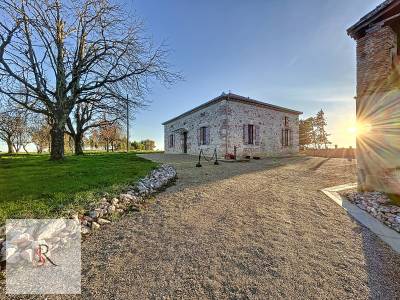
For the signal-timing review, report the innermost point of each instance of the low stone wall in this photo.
(104, 211)
(331, 153)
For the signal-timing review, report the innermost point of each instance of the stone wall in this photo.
(226, 119)
(331, 153)
(270, 122)
(378, 102)
(376, 52)
(213, 116)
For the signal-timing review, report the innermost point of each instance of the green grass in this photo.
(32, 186)
(394, 199)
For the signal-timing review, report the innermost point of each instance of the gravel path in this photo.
(254, 230)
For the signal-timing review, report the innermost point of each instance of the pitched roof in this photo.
(373, 16)
(237, 98)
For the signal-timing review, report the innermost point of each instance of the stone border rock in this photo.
(378, 205)
(388, 235)
(103, 212)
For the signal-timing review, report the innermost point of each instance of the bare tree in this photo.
(13, 128)
(67, 53)
(82, 115)
(40, 135)
(110, 134)
(94, 139)
(22, 136)
(87, 116)
(7, 126)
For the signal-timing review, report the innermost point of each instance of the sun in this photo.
(359, 129)
(352, 130)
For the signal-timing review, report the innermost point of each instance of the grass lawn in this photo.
(32, 186)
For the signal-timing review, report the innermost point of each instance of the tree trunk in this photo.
(24, 146)
(16, 148)
(10, 147)
(78, 142)
(57, 141)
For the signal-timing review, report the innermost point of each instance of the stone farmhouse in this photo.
(231, 121)
(378, 98)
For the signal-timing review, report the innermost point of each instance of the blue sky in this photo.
(289, 53)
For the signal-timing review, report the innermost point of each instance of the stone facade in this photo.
(229, 119)
(376, 52)
(378, 97)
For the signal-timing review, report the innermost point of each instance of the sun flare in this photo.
(352, 130)
(359, 128)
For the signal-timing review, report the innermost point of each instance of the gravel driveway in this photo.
(254, 230)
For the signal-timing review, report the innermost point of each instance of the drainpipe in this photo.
(227, 126)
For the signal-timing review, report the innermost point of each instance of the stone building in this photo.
(378, 99)
(254, 127)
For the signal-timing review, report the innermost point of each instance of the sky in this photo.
(290, 53)
(295, 54)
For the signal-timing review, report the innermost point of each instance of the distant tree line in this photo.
(312, 132)
(18, 129)
(147, 145)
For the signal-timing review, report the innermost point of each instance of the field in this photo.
(32, 186)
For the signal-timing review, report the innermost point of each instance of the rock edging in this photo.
(378, 205)
(102, 213)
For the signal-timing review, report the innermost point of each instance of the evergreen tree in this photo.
(320, 129)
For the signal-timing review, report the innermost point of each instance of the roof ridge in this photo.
(353, 29)
(231, 96)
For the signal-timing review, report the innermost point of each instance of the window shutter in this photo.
(207, 135)
(283, 137)
(257, 137)
(245, 134)
(198, 136)
(286, 122)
